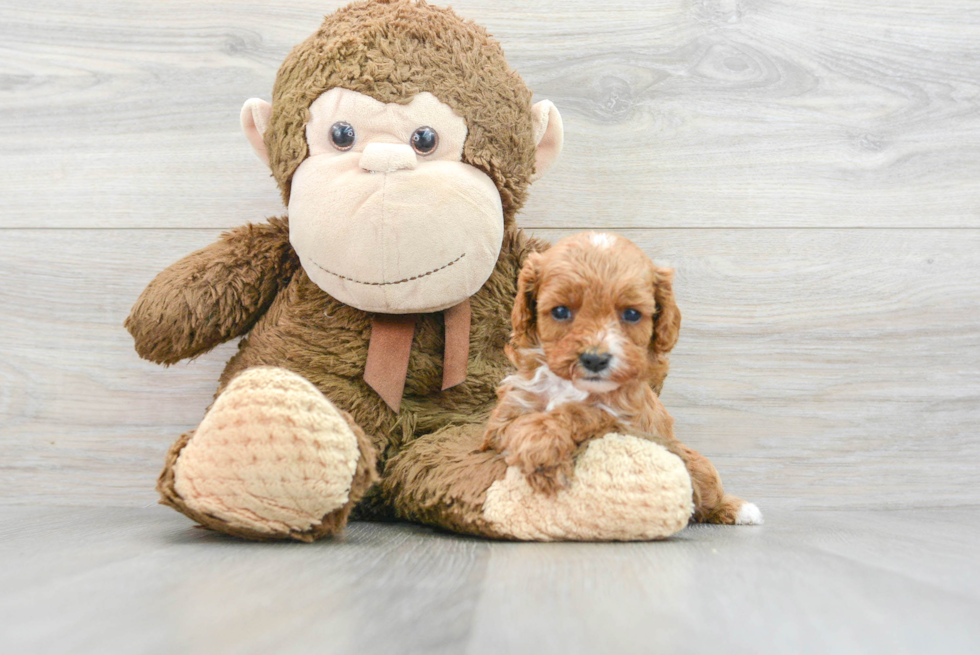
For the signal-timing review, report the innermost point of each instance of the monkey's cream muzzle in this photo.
(382, 228)
(405, 241)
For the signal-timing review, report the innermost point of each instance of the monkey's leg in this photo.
(623, 488)
(272, 459)
(712, 504)
(442, 479)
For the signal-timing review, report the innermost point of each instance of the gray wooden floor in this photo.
(141, 580)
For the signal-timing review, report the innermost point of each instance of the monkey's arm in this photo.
(212, 295)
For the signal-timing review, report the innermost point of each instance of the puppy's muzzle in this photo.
(595, 362)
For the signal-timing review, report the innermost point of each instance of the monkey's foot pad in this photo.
(272, 456)
(625, 489)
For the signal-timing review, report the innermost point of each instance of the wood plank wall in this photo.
(812, 170)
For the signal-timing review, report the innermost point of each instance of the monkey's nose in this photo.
(388, 157)
(594, 362)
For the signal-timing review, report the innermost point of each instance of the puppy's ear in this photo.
(667, 320)
(524, 317)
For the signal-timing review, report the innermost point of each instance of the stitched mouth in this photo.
(387, 284)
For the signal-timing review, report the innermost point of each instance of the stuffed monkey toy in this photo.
(373, 318)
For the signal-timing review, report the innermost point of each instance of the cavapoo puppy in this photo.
(593, 322)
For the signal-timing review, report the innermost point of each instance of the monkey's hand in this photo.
(212, 295)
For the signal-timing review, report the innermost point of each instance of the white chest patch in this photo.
(551, 389)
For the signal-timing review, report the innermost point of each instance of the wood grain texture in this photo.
(679, 113)
(145, 581)
(772, 590)
(98, 580)
(816, 368)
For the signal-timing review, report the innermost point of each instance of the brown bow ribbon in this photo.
(391, 344)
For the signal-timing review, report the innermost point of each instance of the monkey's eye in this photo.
(342, 135)
(424, 140)
(561, 313)
(632, 315)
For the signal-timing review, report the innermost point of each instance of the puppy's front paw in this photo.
(545, 460)
(550, 480)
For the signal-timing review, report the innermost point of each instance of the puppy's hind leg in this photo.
(711, 503)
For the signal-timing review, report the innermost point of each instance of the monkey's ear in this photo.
(255, 118)
(524, 317)
(548, 136)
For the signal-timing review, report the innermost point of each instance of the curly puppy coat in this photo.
(593, 322)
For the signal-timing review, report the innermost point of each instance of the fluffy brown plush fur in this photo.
(250, 283)
(191, 307)
(443, 480)
(392, 50)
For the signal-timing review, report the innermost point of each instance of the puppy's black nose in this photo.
(594, 362)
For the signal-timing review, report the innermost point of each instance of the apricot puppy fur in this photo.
(593, 323)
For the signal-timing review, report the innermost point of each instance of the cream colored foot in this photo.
(625, 489)
(272, 456)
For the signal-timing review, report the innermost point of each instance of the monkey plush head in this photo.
(403, 145)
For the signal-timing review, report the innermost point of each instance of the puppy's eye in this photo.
(632, 315)
(561, 313)
(342, 135)
(424, 140)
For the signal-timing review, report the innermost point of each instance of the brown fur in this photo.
(597, 284)
(543, 443)
(250, 282)
(214, 294)
(307, 331)
(442, 479)
(392, 50)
